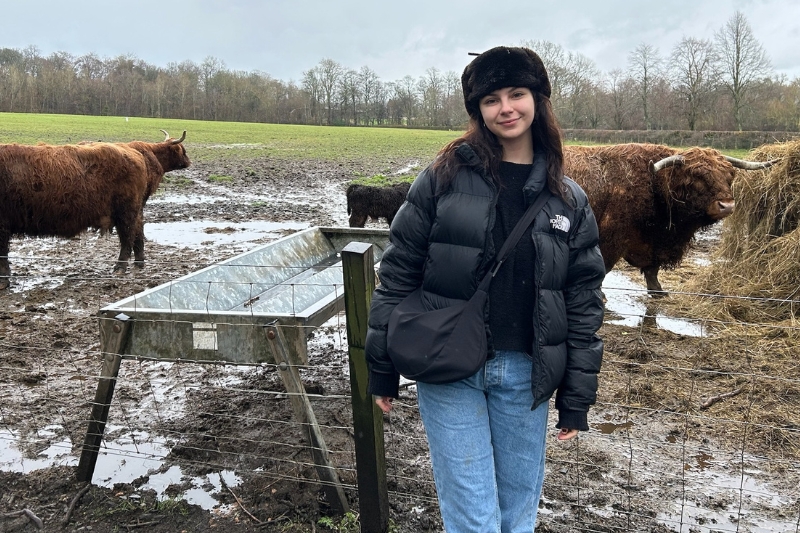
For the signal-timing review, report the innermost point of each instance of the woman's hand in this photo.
(566, 434)
(384, 402)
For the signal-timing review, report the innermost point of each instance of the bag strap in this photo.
(516, 233)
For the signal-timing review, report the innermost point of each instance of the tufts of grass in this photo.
(121, 506)
(218, 178)
(346, 524)
(175, 181)
(173, 505)
(379, 180)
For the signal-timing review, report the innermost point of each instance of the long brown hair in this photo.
(546, 136)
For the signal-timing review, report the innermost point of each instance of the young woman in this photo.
(487, 432)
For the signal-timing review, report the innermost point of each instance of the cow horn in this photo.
(178, 141)
(749, 165)
(166, 135)
(670, 161)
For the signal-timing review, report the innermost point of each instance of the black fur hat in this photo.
(500, 67)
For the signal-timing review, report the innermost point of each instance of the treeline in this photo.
(720, 83)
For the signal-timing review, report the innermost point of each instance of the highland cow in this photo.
(650, 200)
(60, 191)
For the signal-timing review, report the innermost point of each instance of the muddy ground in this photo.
(656, 460)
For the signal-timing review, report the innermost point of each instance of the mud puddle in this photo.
(202, 233)
(127, 458)
(628, 304)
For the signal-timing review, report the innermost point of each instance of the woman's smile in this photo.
(509, 122)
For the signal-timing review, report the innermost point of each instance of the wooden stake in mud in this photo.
(359, 282)
(113, 337)
(287, 365)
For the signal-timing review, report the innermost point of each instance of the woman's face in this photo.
(508, 112)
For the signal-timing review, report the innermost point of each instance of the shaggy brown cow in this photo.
(650, 200)
(61, 191)
(367, 201)
(161, 157)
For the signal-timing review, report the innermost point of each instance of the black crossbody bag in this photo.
(449, 344)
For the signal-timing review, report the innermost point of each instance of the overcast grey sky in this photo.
(394, 38)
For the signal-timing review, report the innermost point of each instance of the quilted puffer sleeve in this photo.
(400, 273)
(584, 306)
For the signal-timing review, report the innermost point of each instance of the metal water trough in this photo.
(256, 307)
(296, 281)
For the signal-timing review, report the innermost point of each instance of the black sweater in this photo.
(511, 292)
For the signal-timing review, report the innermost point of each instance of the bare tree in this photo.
(453, 101)
(10, 69)
(381, 103)
(555, 61)
(644, 65)
(349, 96)
(209, 69)
(578, 81)
(186, 79)
(694, 75)
(573, 80)
(404, 101)
(432, 88)
(743, 61)
(330, 73)
(312, 85)
(620, 91)
(368, 85)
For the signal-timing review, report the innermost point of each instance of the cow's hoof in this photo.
(139, 265)
(4, 284)
(658, 294)
(119, 272)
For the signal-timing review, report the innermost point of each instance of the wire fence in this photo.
(694, 431)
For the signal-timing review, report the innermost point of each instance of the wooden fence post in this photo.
(113, 336)
(358, 269)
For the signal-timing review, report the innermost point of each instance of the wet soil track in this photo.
(654, 461)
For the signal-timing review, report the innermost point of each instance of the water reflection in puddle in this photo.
(201, 233)
(126, 454)
(186, 234)
(122, 460)
(190, 199)
(57, 454)
(629, 301)
(406, 169)
(727, 491)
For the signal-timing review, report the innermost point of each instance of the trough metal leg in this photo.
(113, 336)
(287, 365)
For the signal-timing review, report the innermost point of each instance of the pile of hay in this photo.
(758, 260)
(749, 298)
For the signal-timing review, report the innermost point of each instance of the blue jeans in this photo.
(487, 447)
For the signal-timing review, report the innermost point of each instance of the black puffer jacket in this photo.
(449, 239)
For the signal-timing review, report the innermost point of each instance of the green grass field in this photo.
(207, 140)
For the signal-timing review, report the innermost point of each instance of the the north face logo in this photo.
(560, 223)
